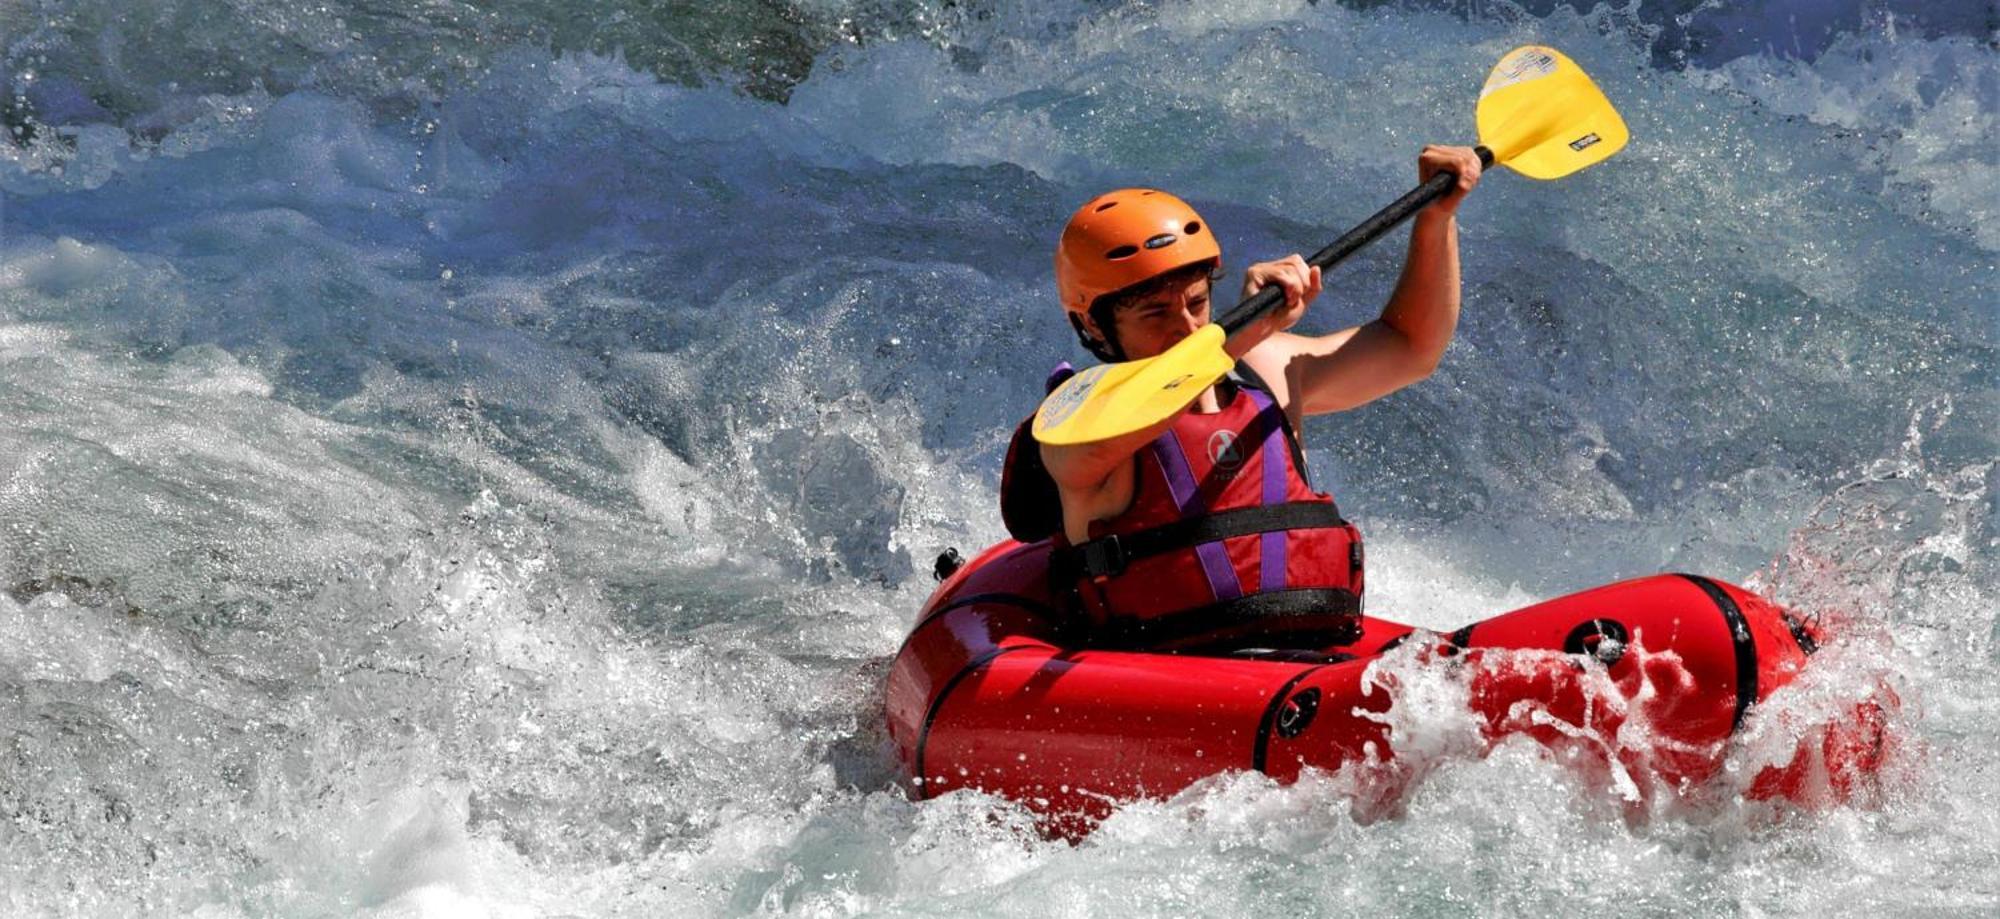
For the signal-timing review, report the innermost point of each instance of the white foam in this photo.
(509, 508)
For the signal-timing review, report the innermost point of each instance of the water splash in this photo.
(494, 488)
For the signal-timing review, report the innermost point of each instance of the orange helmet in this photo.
(1121, 238)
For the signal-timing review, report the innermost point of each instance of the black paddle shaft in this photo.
(1256, 305)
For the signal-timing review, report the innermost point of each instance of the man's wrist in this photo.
(1433, 219)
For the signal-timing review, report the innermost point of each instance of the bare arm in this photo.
(1354, 366)
(1084, 469)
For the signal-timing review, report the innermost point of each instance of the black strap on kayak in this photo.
(1108, 556)
(1739, 635)
(1305, 617)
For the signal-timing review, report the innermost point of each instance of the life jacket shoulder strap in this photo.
(1108, 556)
(1248, 377)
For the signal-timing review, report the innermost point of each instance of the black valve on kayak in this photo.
(947, 564)
(1297, 713)
(1604, 639)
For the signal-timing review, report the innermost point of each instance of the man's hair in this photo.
(1103, 307)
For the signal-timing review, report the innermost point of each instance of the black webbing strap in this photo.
(1306, 617)
(1108, 556)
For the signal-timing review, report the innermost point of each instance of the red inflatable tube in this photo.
(989, 692)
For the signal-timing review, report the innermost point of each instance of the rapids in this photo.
(467, 459)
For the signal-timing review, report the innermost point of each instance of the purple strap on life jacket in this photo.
(1271, 567)
(1173, 461)
(1057, 375)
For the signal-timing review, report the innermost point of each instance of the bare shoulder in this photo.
(1307, 373)
(1276, 361)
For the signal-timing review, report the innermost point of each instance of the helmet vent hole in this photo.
(1147, 191)
(1122, 252)
(1193, 227)
(1106, 206)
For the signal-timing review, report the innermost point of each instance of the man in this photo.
(1201, 533)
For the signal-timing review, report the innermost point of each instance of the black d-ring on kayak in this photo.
(1603, 639)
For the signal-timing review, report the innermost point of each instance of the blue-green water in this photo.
(476, 459)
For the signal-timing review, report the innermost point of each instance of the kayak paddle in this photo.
(1539, 114)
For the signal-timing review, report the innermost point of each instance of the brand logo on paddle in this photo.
(1519, 66)
(1223, 450)
(1586, 140)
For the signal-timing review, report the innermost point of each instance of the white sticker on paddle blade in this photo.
(1068, 397)
(1519, 67)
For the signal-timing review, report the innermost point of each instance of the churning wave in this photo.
(477, 459)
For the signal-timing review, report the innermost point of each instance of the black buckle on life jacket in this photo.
(1104, 557)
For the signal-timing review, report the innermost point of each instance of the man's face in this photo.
(1160, 319)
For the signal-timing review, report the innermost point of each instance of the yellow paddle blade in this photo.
(1542, 116)
(1110, 400)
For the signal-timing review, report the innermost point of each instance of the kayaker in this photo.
(1201, 532)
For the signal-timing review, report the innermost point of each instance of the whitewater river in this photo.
(476, 459)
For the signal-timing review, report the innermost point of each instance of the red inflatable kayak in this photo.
(993, 691)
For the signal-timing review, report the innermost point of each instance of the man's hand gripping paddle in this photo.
(1539, 114)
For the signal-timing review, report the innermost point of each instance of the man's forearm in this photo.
(1424, 306)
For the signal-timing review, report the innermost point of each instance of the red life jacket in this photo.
(1226, 545)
